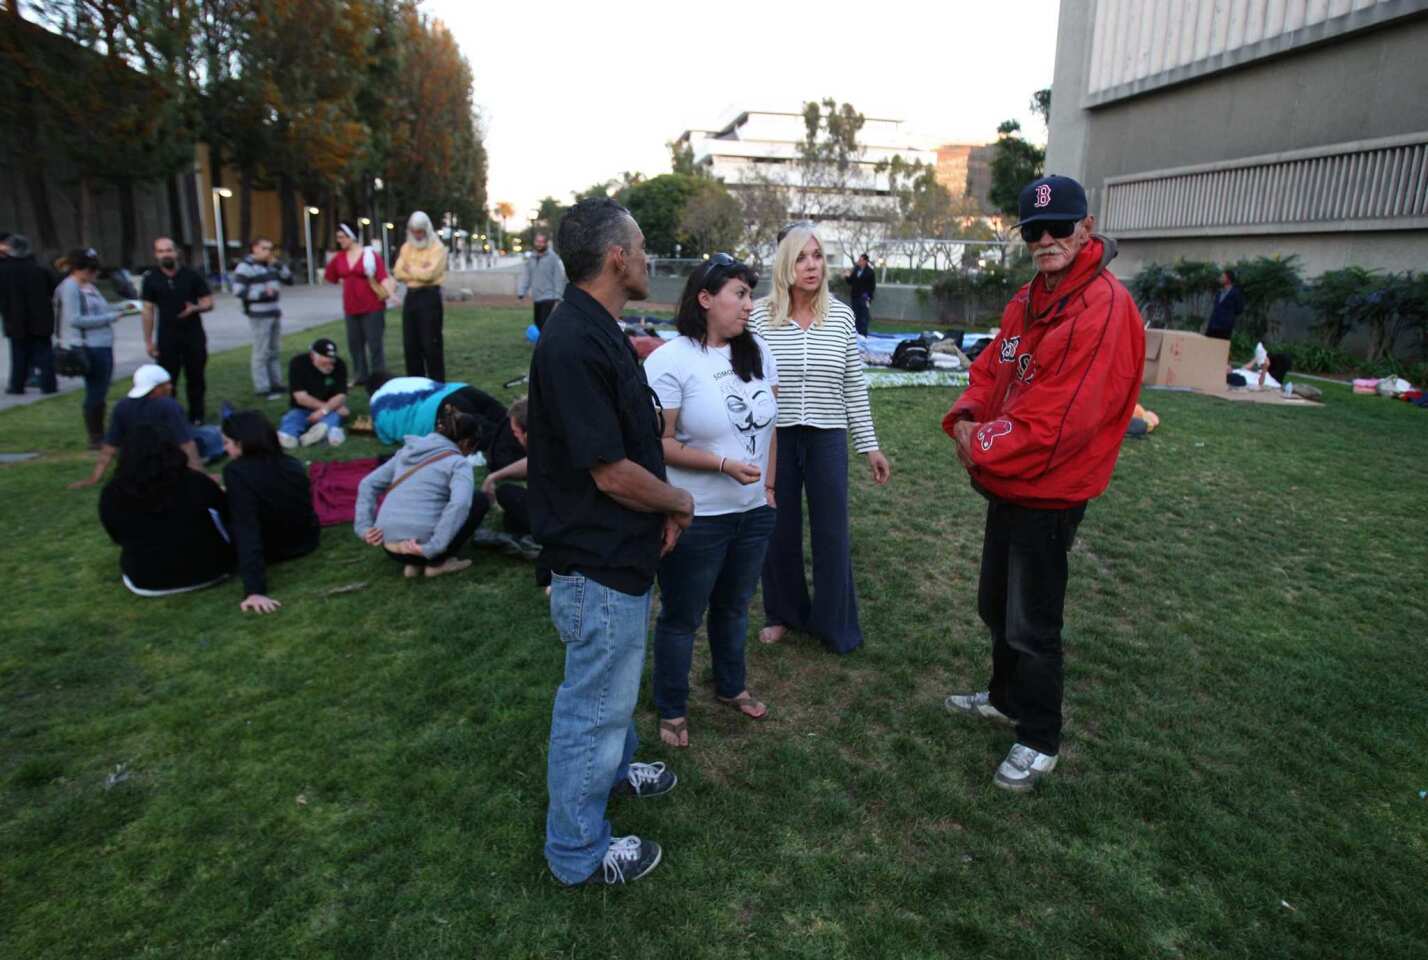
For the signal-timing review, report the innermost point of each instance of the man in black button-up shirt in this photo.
(604, 515)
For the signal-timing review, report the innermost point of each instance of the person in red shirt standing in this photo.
(365, 289)
(1039, 430)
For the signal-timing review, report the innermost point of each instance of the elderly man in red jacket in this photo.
(1039, 430)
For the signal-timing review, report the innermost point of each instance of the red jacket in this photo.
(1054, 392)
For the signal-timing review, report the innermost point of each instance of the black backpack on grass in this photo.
(912, 355)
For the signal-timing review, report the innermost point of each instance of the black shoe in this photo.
(627, 859)
(645, 780)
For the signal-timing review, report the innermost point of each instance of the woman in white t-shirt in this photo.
(717, 385)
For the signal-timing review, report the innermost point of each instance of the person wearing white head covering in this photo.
(421, 265)
(365, 289)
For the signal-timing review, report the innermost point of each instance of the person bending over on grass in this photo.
(506, 458)
(432, 507)
(1039, 430)
(717, 383)
(410, 406)
(271, 503)
(318, 385)
(169, 520)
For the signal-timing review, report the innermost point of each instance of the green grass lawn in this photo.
(363, 774)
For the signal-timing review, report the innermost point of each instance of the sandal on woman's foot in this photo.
(674, 732)
(747, 705)
(452, 565)
(773, 633)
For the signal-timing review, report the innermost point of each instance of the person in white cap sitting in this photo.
(151, 401)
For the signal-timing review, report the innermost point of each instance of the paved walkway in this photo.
(227, 328)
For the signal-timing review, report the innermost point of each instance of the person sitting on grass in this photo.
(432, 506)
(168, 519)
(506, 458)
(270, 501)
(409, 406)
(318, 389)
(151, 401)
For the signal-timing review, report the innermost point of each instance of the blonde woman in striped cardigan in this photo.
(823, 400)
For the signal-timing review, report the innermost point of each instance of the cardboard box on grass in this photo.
(1176, 358)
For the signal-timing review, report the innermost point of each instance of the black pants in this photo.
(862, 315)
(542, 312)
(422, 314)
(187, 355)
(515, 512)
(1222, 334)
(1021, 597)
(27, 353)
(479, 505)
(364, 343)
(816, 461)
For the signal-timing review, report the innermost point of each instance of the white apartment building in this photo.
(764, 144)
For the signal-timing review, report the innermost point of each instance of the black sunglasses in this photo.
(716, 263)
(1060, 229)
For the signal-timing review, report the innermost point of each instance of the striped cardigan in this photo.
(820, 374)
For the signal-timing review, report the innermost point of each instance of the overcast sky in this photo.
(572, 93)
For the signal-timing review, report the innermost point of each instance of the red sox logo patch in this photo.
(989, 433)
(1009, 346)
(1043, 195)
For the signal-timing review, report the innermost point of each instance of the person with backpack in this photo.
(366, 288)
(257, 283)
(432, 506)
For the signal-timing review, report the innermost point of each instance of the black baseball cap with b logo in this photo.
(324, 348)
(1051, 198)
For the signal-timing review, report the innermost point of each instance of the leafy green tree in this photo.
(829, 161)
(1015, 163)
(658, 205)
(1267, 283)
(1041, 104)
(712, 220)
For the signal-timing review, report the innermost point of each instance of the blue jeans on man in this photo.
(592, 729)
(714, 567)
(295, 422)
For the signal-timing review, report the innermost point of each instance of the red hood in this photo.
(1093, 258)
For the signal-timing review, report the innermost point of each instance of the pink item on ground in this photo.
(334, 488)
(1369, 385)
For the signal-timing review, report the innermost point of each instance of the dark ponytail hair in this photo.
(150, 467)
(460, 428)
(252, 431)
(692, 320)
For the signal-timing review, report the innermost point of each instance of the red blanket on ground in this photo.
(334, 488)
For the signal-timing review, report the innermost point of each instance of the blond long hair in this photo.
(780, 299)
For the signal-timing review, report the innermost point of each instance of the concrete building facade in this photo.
(1221, 129)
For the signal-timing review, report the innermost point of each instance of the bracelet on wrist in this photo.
(721, 463)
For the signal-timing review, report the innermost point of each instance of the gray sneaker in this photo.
(1022, 768)
(313, 434)
(978, 705)
(627, 859)
(645, 780)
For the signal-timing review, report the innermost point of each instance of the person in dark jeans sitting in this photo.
(270, 500)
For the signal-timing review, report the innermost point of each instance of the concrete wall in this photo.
(1357, 87)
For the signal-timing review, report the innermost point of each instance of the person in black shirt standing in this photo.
(603, 514)
(862, 284)
(317, 381)
(179, 296)
(270, 501)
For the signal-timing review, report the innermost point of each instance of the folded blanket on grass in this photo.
(334, 488)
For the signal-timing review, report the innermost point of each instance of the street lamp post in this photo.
(220, 194)
(386, 226)
(307, 214)
(363, 223)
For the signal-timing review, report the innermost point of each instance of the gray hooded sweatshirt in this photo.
(429, 507)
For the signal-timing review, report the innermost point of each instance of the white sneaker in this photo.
(314, 434)
(335, 436)
(1022, 768)
(978, 705)
(287, 441)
